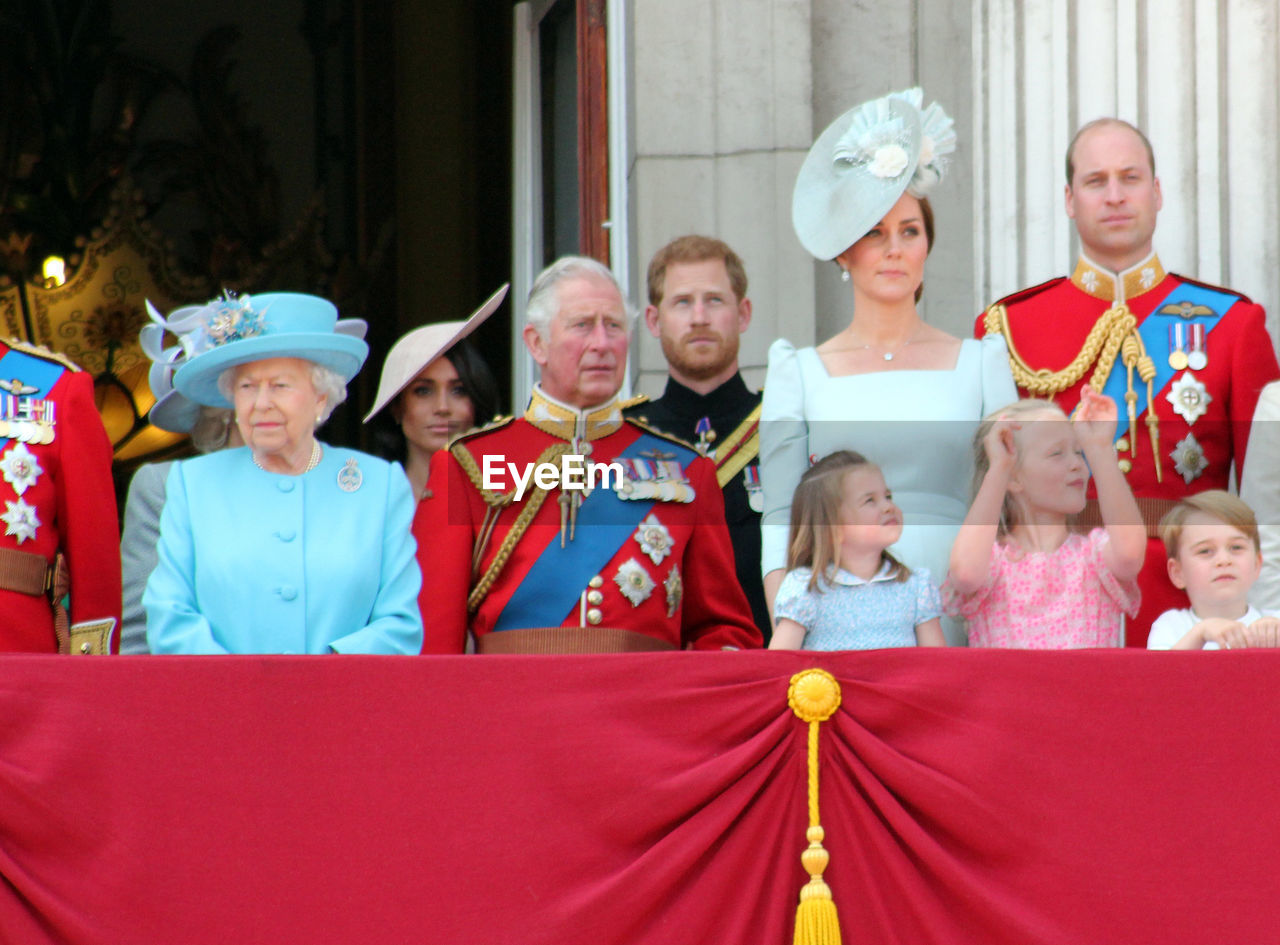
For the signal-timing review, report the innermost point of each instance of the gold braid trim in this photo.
(1114, 333)
(40, 351)
(738, 461)
(1100, 347)
(734, 453)
(497, 501)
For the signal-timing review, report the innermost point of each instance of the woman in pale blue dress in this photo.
(905, 394)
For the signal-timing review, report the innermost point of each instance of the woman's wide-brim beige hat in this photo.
(420, 347)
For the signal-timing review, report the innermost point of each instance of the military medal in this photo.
(674, 587)
(634, 582)
(1177, 346)
(1188, 458)
(654, 539)
(755, 491)
(20, 467)
(1198, 359)
(350, 478)
(1189, 397)
(21, 520)
(659, 476)
(706, 435)
(26, 419)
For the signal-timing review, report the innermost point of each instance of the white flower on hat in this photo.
(889, 161)
(926, 150)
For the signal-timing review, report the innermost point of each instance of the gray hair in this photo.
(212, 429)
(544, 297)
(328, 383)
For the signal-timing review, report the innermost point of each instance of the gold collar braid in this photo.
(571, 423)
(1115, 332)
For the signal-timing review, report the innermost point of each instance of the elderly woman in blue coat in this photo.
(285, 545)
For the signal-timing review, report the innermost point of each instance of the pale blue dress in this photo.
(251, 561)
(848, 613)
(917, 426)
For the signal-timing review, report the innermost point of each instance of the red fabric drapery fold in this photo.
(967, 796)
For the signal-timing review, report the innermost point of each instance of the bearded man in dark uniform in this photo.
(698, 308)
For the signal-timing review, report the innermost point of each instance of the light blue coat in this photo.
(255, 562)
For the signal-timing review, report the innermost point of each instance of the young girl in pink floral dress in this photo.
(1018, 574)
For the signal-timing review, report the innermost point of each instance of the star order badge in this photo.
(20, 467)
(674, 587)
(1189, 397)
(1188, 458)
(634, 582)
(654, 539)
(21, 519)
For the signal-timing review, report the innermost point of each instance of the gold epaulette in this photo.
(635, 401)
(662, 434)
(40, 351)
(495, 424)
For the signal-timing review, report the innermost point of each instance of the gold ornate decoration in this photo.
(93, 318)
(814, 696)
(1114, 333)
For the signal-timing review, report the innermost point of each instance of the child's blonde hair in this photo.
(815, 511)
(1018, 410)
(1223, 506)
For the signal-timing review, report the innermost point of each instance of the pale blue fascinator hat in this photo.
(233, 330)
(171, 411)
(862, 163)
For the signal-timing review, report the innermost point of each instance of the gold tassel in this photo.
(814, 696)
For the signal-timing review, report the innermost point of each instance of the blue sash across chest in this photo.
(552, 586)
(1154, 331)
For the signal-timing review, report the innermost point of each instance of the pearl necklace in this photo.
(312, 463)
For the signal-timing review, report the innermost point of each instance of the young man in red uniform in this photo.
(1185, 361)
(56, 503)
(516, 551)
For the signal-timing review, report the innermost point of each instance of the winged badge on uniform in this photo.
(17, 388)
(1186, 309)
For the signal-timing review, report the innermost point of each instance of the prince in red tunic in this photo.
(56, 499)
(1185, 361)
(514, 552)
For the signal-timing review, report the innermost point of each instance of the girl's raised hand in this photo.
(1095, 418)
(1001, 449)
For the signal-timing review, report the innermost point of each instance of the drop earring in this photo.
(844, 275)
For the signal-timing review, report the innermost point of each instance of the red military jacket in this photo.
(1207, 385)
(56, 494)
(651, 554)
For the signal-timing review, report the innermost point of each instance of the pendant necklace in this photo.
(892, 352)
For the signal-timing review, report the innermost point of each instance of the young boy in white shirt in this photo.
(1211, 540)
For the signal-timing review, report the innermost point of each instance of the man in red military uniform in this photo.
(58, 505)
(572, 528)
(1184, 361)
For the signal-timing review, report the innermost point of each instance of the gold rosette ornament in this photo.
(814, 696)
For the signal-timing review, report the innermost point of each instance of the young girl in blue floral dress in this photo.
(843, 589)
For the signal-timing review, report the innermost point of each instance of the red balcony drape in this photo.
(985, 797)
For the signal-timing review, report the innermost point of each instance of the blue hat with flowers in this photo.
(234, 330)
(862, 163)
